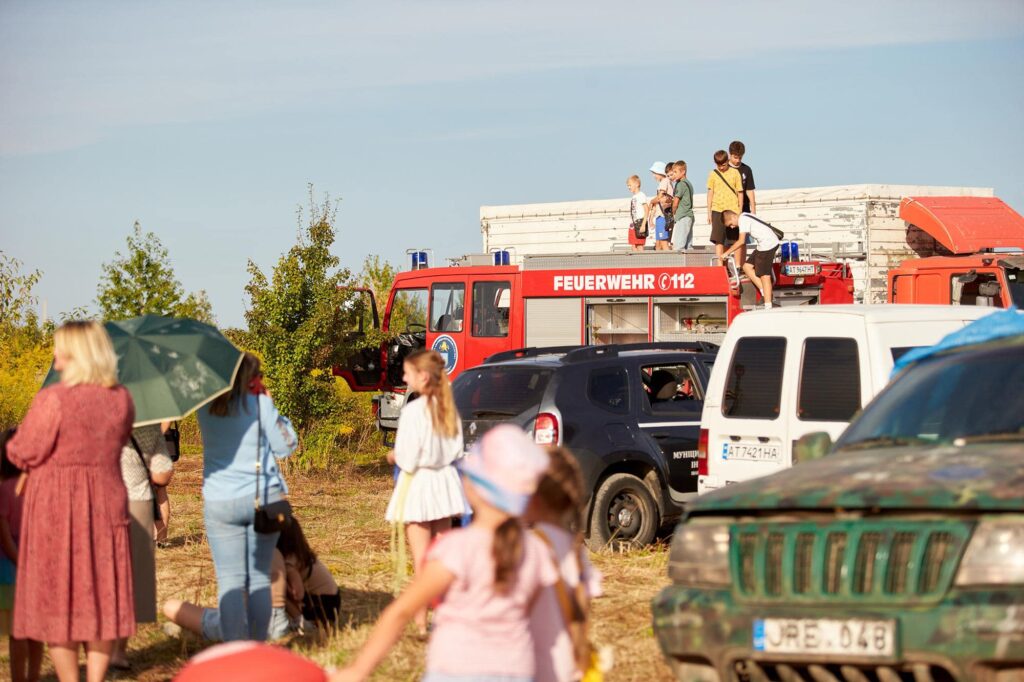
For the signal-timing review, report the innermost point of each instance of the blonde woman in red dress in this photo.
(74, 585)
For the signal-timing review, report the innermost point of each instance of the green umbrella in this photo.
(172, 366)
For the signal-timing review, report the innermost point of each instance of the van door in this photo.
(745, 432)
(830, 386)
(669, 415)
(363, 367)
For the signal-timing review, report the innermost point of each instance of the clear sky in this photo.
(206, 120)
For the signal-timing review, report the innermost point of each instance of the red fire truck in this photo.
(473, 309)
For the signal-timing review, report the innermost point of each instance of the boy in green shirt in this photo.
(682, 206)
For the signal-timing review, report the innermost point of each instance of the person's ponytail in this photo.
(508, 554)
(438, 391)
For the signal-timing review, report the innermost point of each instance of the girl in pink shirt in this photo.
(487, 575)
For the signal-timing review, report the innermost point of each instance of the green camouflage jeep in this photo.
(899, 556)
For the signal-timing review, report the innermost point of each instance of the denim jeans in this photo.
(241, 558)
(683, 234)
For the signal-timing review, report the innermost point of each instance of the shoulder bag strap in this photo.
(138, 451)
(778, 233)
(561, 589)
(726, 182)
(259, 453)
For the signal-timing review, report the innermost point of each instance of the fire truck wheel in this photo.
(624, 513)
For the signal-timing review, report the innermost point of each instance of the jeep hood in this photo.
(984, 476)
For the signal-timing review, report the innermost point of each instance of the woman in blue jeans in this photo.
(235, 426)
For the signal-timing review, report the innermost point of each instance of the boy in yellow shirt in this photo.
(724, 188)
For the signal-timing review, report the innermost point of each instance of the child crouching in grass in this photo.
(313, 594)
(26, 654)
(487, 575)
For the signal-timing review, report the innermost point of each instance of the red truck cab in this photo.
(979, 247)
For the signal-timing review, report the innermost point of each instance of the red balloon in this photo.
(251, 662)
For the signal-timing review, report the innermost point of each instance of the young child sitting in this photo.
(554, 509)
(205, 622)
(26, 654)
(312, 592)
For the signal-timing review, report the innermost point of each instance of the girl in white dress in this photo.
(428, 492)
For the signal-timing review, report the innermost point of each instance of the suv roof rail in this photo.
(529, 352)
(590, 352)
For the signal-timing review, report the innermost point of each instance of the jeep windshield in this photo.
(956, 398)
(499, 392)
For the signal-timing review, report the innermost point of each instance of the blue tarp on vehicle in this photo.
(998, 325)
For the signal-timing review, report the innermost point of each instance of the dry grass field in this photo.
(342, 513)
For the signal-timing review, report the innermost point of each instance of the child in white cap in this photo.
(487, 575)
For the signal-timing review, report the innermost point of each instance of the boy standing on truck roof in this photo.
(661, 207)
(682, 206)
(638, 212)
(736, 151)
(758, 267)
(724, 188)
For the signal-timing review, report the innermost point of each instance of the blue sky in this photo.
(206, 121)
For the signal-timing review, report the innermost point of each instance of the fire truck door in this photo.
(669, 416)
(490, 308)
(361, 368)
(446, 332)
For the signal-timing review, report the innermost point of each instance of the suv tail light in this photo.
(545, 429)
(702, 453)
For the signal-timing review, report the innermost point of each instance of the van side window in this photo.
(490, 308)
(753, 389)
(607, 388)
(446, 306)
(829, 380)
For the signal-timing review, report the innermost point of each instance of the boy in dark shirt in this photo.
(736, 151)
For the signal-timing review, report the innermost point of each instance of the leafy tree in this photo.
(297, 318)
(16, 298)
(141, 281)
(25, 342)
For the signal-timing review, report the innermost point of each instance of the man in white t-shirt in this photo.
(759, 263)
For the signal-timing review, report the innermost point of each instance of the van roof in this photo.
(876, 313)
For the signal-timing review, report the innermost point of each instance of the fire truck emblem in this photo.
(445, 345)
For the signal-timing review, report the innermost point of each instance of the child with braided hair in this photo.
(558, 621)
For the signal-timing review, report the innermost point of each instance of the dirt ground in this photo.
(342, 514)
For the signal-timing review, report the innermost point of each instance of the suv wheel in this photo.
(624, 512)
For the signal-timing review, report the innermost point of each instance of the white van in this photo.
(787, 372)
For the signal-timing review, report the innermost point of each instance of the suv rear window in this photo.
(753, 389)
(829, 380)
(499, 391)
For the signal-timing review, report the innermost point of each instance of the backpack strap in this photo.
(778, 233)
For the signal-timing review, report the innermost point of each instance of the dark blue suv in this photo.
(630, 413)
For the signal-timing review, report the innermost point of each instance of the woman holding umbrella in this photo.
(243, 433)
(74, 582)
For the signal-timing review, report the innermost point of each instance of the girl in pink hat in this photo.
(486, 575)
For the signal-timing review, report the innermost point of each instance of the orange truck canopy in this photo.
(966, 224)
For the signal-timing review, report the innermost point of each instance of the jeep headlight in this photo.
(700, 554)
(995, 555)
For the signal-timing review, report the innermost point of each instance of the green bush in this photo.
(347, 434)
